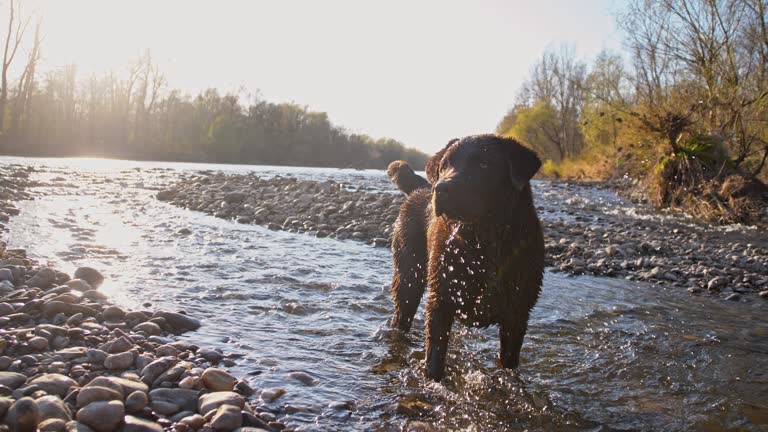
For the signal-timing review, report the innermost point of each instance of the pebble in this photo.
(102, 416)
(218, 380)
(88, 395)
(38, 343)
(90, 275)
(212, 401)
(227, 418)
(122, 360)
(55, 384)
(272, 394)
(23, 416)
(12, 379)
(136, 424)
(136, 401)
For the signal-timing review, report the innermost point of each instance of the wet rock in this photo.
(227, 418)
(55, 384)
(23, 416)
(272, 394)
(212, 401)
(733, 297)
(304, 378)
(763, 294)
(92, 276)
(149, 328)
(75, 426)
(44, 279)
(218, 380)
(211, 355)
(135, 424)
(78, 285)
(119, 345)
(716, 283)
(179, 322)
(102, 416)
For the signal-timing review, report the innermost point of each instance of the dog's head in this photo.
(480, 177)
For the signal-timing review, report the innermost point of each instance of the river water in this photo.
(601, 354)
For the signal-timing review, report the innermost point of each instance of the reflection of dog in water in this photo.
(474, 239)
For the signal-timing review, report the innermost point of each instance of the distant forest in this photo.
(137, 116)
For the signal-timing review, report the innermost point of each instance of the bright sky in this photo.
(422, 72)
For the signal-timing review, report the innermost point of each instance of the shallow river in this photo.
(601, 354)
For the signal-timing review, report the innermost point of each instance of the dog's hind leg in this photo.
(409, 278)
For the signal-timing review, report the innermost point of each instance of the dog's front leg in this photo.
(439, 320)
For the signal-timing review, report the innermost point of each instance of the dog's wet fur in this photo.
(474, 240)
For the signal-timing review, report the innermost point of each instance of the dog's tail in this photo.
(405, 178)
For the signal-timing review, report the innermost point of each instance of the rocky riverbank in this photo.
(581, 237)
(72, 361)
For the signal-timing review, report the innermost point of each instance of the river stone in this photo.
(12, 380)
(165, 195)
(88, 395)
(125, 385)
(153, 370)
(178, 322)
(55, 384)
(6, 309)
(149, 328)
(119, 345)
(271, 394)
(6, 274)
(76, 426)
(195, 421)
(23, 416)
(185, 399)
(218, 380)
(234, 197)
(113, 313)
(56, 307)
(212, 401)
(52, 425)
(304, 378)
(43, 279)
(211, 355)
(135, 402)
(38, 343)
(102, 416)
(90, 275)
(227, 418)
(78, 285)
(135, 424)
(53, 407)
(716, 283)
(122, 360)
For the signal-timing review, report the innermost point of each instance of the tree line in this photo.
(693, 80)
(137, 116)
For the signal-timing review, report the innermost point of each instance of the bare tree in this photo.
(16, 29)
(22, 101)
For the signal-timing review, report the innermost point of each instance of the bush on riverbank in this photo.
(688, 111)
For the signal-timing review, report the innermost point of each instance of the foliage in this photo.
(136, 117)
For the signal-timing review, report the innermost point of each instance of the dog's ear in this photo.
(523, 164)
(433, 164)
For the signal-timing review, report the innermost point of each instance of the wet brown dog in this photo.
(475, 241)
